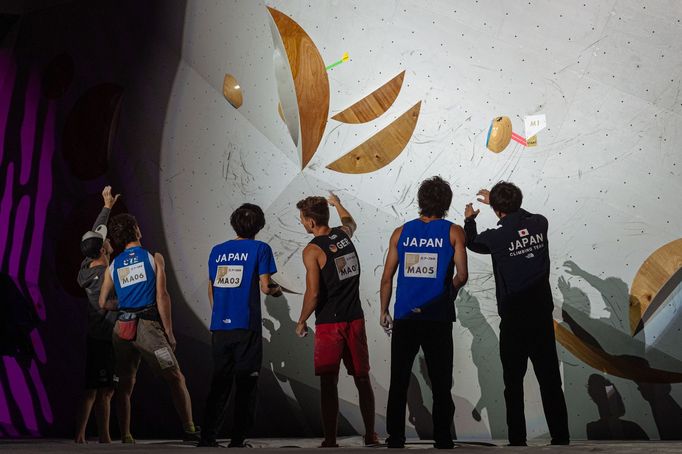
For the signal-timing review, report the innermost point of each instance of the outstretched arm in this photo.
(347, 222)
(312, 287)
(386, 290)
(472, 238)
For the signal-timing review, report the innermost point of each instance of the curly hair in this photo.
(434, 197)
(315, 208)
(247, 220)
(506, 197)
(122, 229)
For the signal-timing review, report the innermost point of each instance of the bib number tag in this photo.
(421, 264)
(229, 276)
(347, 266)
(131, 275)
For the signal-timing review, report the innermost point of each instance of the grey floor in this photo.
(348, 445)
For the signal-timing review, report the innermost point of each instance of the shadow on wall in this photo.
(485, 354)
(289, 360)
(612, 335)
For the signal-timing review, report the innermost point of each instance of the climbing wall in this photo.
(605, 171)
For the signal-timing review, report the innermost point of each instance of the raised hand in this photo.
(469, 211)
(109, 198)
(484, 196)
(333, 199)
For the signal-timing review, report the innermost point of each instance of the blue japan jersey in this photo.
(425, 257)
(234, 268)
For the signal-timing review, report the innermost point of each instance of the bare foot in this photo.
(80, 439)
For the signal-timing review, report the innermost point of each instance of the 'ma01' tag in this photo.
(532, 141)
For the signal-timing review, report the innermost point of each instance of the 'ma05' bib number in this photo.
(421, 264)
(229, 276)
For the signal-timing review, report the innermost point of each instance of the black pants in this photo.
(237, 358)
(525, 335)
(435, 338)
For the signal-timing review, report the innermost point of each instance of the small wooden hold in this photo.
(499, 134)
(232, 91)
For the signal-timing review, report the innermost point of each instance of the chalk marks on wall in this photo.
(310, 82)
(380, 149)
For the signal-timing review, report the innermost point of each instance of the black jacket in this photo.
(520, 254)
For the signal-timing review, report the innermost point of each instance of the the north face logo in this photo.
(523, 232)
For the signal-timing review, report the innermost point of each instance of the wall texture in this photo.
(606, 172)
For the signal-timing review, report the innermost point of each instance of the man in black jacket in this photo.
(520, 256)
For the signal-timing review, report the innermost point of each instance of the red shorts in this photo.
(345, 341)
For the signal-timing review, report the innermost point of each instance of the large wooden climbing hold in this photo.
(499, 134)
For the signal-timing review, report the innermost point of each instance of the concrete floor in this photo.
(349, 445)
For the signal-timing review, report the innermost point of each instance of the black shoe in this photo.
(208, 444)
(395, 443)
(560, 442)
(517, 443)
(239, 444)
(192, 436)
(444, 445)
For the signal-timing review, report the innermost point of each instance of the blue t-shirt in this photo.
(426, 267)
(234, 268)
(134, 274)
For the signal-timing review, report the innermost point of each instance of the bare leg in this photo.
(83, 414)
(123, 393)
(330, 407)
(180, 395)
(102, 412)
(366, 396)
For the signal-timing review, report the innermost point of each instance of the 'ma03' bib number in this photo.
(229, 276)
(421, 264)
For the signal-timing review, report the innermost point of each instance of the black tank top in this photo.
(339, 298)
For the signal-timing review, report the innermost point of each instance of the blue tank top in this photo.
(425, 271)
(134, 274)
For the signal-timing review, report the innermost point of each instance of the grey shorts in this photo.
(150, 344)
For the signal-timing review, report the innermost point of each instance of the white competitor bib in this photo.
(229, 276)
(421, 264)
(347, 266)
(132, 274)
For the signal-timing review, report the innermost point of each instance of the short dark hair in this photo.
(247, 220)
(506, 197)
(434, 197)
(92, 247)
(122, 229)
(315, 208)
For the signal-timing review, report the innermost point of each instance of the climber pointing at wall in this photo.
(520, 257)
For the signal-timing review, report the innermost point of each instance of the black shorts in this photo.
(240, 350)
(99, 364)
